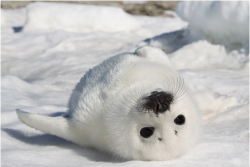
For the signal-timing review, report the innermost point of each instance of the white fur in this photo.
(104, 113)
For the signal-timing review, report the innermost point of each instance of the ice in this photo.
(41, 65)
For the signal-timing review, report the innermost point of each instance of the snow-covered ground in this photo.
(60, 42)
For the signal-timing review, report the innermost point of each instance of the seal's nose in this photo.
(159, 102)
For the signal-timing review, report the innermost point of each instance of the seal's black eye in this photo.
(179, 120)
(147, 132)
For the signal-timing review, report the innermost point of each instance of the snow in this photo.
(12, 18)
(42, 64)
(215, 56)
(215, 25)
(219, 22)
(78, 18)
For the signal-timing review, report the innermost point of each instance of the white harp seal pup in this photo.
(133, 106)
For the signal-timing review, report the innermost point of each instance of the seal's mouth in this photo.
(158, 102)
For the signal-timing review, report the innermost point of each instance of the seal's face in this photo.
(160, 126)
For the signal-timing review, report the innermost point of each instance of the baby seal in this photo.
(134, 106)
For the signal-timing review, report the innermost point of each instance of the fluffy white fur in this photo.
(104, 109)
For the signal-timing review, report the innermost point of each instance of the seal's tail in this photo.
(58, 126)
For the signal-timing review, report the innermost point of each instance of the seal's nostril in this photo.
(160, 108)
(157, 107)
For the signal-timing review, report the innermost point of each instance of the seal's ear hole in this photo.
(146, 132)
(179, 120)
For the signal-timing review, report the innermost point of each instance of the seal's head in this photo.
(160, 125)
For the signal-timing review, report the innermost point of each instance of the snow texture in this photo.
(216, 25)
(41, 66)
(219, 22)
(78, 18)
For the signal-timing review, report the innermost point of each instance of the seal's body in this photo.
(133, 106)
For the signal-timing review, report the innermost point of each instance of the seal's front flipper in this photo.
(58, 126)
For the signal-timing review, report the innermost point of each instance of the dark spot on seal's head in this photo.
(159, 102)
